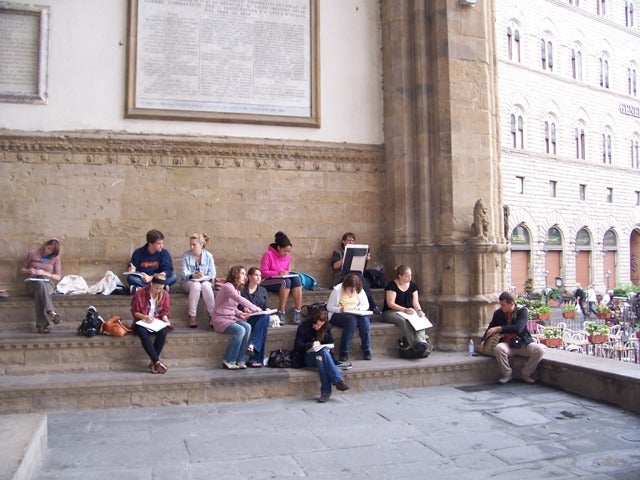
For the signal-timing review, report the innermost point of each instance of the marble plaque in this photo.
(23, 56)
(223, 60)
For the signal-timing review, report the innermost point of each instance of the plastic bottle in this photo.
(472, 347)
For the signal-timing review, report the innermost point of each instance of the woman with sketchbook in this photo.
(229, 319)
(314, 343)
(259, 322)
(348, 308)
(198, 273)
(401, 303)
(41, 268)
(275, 266)
(150, 310)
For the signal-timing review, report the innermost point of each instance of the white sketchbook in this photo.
(154, 326)
(269, 311)
(317, 348)
(416, 321)
(355, 258)
(361, 313)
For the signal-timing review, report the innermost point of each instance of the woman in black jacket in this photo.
(311, 335)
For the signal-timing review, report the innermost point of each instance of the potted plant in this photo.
(597, 333)
(544, 312)
(569, 310)
(603, 312)
(552, 337)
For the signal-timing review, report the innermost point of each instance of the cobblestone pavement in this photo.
(465, 432)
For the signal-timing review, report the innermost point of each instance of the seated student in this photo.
(337, 260)
(401, 295)
(151, 303)
(314, 332)
(41, 268)
(198, 273)
(148, 260)
(509, 319)
(275, 265)
(347, 297)
(259, 323)
(230, 320)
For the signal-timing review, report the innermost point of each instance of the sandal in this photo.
(152, 368)
(254, 364)
(55, 317)
(193, 323)
(160, 367)
(44, 330)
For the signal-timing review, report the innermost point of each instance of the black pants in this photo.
(152, 347)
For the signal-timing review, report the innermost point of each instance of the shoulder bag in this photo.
(490, 343)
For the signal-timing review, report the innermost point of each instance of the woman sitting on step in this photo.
(228, 319)
(198, 275)
(42, 267)
(150, 310)
(259, 323)
(313, 343)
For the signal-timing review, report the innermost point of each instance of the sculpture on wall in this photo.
(480, 226)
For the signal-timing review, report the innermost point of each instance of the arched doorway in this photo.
(552, 257)
(583, 257)
(609, 259)
(634, 251)
(520, 257)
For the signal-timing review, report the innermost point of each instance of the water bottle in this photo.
(472, 347)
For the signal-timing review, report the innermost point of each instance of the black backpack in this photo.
(417, 350)
(90, 326)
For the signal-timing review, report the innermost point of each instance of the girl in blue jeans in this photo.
(311, 334)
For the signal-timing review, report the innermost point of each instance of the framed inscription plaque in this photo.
(24, 51)
(246, 61)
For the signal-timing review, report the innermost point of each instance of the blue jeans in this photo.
(237, 349)
(327, 370)
(259, 326)
(135, 280)
(348, 322)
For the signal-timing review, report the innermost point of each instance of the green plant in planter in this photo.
(552, 333)
(593, 328)
(602, 308)
(544, 310)
(571, 307)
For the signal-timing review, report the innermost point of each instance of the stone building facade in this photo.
(407, 156)
(570, 130)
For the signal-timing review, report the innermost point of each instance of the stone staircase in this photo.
(66, 371)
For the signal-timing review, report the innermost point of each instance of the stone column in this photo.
(444, 212)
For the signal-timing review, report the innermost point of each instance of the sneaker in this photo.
(504, 380)
(344, 365)
(229, 365)
(296, 317)
(376, 310)
(55, 317)
(342, 386)
(281, 317)
(367, 355)
(344, 357)
(323, 398)
(527, 379)
(241, 365)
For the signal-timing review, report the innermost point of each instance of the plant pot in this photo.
(569, 314)
(552, 342)
(603, 316)
(544, 316)
(598, 338)
(638, 334)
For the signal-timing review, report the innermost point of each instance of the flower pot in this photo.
(598, 338)
(603, 316)
(638, 334)
(544, 316)
(569, 314)
(552, 342)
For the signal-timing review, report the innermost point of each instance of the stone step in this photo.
(17, 312)
(23, 443)
(68, 352)
(203, 384)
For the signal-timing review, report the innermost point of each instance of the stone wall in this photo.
(101, 192)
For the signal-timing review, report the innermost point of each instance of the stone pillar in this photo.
(444, 211)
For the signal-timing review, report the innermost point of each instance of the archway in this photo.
(583, 257)
(520, 257)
